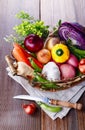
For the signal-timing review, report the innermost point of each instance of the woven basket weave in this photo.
(62, 84)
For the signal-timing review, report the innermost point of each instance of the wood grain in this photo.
(12, 116)
(51, 12)
(74, 120)
(54, 10)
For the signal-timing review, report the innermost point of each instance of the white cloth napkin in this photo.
(72, 94)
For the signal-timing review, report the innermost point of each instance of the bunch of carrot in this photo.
(20, 54)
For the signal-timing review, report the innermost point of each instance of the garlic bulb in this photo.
(51, 71)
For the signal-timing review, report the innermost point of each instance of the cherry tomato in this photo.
(82, 61)
(29, 108)
(82, 66)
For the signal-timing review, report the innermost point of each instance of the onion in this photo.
(33, 43)
(51, 71)
(44, 56)
(51, 42)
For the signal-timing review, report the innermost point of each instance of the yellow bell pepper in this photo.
(60, 53)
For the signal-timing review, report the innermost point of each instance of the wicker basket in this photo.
(61, 84)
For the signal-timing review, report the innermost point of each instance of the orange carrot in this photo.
(17, 46)
(20, 54)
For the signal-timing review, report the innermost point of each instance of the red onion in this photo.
(33, 43)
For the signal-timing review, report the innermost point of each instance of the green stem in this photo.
(44, 82)
(76, 51)
(34, 65)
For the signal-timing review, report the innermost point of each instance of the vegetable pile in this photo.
(50, 60)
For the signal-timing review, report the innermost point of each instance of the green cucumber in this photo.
(49, 107)
(76, 51)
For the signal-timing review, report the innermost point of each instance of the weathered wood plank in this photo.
(57, 124)
(9, 8)
(72, 11)
(12, 116)
(53, 10)
(74, 119)
(81, 114)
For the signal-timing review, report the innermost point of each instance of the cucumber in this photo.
(76, 51)
(50, 108)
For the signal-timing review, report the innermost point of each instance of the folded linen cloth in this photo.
(72, 94)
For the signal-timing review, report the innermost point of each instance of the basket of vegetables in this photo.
(49, 60)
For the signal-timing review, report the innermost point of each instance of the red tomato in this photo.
(82, 61)
(82, 66)
(29, 108)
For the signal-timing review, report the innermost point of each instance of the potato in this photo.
(67, 71)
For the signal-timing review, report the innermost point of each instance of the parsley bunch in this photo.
(28, 26)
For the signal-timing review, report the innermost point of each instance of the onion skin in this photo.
(33, 43)
(43, 56)
(51, 42)
(53, 74)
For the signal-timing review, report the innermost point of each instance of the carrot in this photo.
(20, 54)
(17, 46)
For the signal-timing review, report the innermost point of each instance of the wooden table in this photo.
(12, 116)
